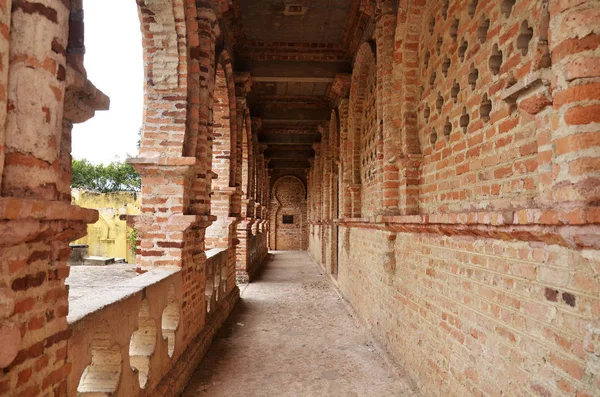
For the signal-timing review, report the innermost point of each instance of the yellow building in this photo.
(108, 236)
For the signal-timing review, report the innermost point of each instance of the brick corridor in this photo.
(291, 335)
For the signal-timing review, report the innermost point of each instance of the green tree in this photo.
(114, 177)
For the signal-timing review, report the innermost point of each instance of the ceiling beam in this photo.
(302, 114)
(289, 164)
(277, 100)
(288, 154)
(293, 69)
(308, 123)
(280, 139)
(274, 79)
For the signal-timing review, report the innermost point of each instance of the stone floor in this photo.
(292, 335)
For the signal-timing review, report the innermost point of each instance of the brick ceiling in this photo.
(294, 49)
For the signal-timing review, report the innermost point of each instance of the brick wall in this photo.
(491, 316)
(472, 254)
(288, 200)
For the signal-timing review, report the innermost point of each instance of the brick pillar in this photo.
(175, 157)
(318, 185)
(169, 234)
(384, 36)
(404, 104)
(42, 93)
(267, 221)
(576, 96)
(5, 19)
(243, 260)
(265, 196)
(345, 160)
(263, 208)
(244, 235)
(311, 191)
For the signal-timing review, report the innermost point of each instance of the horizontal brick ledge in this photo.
(526, 83)
(229, 191)
(19, 208)
(163, 161)
(530, 217)
(574, 235)
(179, 219)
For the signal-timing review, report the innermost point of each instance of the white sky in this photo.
(114, 64)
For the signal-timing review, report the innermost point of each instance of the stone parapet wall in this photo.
(128, 340)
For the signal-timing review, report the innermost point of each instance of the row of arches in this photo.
(202, 183)
(399, 107)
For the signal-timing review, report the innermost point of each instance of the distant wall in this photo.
(108, 236)
(288, 215)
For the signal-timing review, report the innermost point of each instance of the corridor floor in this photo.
(291, 335)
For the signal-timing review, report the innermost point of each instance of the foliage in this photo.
(114, 177)
(132, 241)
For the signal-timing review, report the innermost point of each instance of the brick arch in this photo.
(405, 100)
(364, 68)
(164, 41)
(403, 107)
(246, 154)
(335, 147)
(224, 126)
(285, 200)
(222, 153)
(334, 134)
(278, 182)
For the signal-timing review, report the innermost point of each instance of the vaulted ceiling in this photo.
(295, 51)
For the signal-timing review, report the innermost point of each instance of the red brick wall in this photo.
(480, 151)
(479, 270)
(288, 198)
(471, 315)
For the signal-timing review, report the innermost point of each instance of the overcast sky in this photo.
(113, 61)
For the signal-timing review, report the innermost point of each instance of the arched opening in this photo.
(289, 217)
(246, 154)
(209, 286)
(334, 136)
(364, 136)
(114, 63)
(101, 142)
(221, 152)
(143, 344)
(368, 139)
(102, 376)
